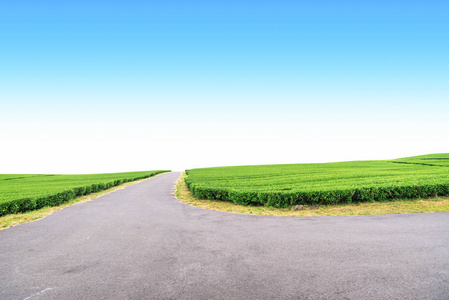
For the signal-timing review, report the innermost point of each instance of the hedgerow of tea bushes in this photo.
(328, 183)
(32, 203)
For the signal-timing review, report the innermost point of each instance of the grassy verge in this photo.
(16, 219)
(184, 195)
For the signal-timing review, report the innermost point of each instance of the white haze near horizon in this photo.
(80, 138)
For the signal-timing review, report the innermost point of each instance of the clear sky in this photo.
(105, 86)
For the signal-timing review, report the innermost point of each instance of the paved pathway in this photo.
(141, 243)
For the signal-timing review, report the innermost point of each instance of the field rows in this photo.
(327, 183)
(20, 193)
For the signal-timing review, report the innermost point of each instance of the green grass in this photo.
(326, 183)
(20, 193)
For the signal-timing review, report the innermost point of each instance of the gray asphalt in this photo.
(141, 243)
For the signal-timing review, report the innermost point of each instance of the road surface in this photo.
(141, 243)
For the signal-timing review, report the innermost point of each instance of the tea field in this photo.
(324, 183)
(20, 193)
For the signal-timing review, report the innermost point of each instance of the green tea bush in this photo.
(329, 183)
(43, 190)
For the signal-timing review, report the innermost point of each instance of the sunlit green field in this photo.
(325, 183)
(26, 192)
(441, 159)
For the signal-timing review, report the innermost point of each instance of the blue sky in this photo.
(185, 84)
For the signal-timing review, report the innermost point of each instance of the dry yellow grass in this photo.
(376, 208)
(16, 219)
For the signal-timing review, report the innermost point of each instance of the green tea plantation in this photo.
(20, 193)
(324, 183)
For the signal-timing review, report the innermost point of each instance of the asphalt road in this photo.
(141, 243)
